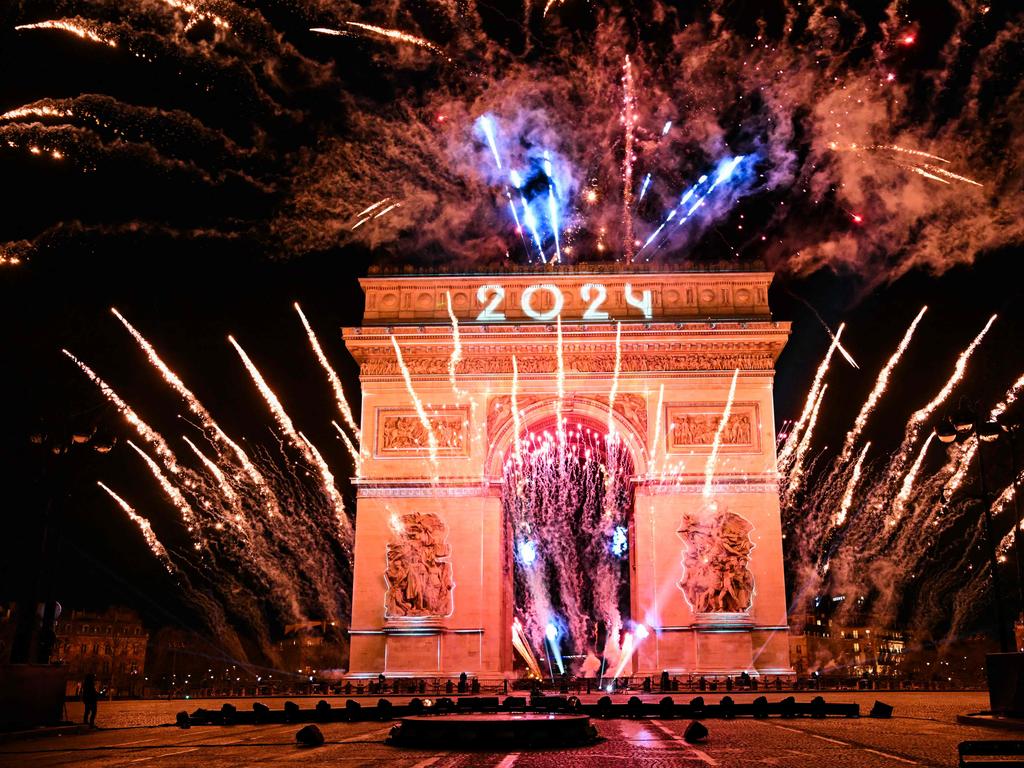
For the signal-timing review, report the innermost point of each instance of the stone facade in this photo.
(110, 645)
(681, 336)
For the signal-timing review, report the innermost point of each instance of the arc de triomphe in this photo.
(683, 334)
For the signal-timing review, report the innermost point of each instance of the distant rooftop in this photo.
(584, 268)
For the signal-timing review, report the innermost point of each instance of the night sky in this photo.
(214, 218)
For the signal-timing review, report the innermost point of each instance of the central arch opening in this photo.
(567, 498)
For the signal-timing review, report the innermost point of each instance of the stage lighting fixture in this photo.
(695, 732)
(309, 736)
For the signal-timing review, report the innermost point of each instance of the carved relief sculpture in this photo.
(716, 576)
(403, 433)
(419, 568)
(694, 427)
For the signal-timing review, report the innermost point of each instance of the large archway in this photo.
(438, 509)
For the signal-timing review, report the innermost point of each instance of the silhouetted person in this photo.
(462, 682)
(90, 698)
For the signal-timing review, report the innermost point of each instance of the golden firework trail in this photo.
(951, 175)
(517, 425)
(922, 414)
(327, 478)
(351, 448)
(417, 404)
(196, 14)
(371, 208)
(205, 417)
(851, 485)
(211, 466)
(615, 378)
(33, 110)
(297, 440)
(881, 384)
(908, 481)
(456, 356)
(67, 25)
(395, 35)
(146, 432)
(173, 493)
(716, 443)
(152, 541)
(332, 377)
(928, 175)
(1009, 399)
(657, 429)
(560, 382)
(793, 440)
(629, 118)
(958, 373)
(796, 475)
(521, 645)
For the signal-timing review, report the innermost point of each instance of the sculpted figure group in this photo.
(419, 569)
(716, 577)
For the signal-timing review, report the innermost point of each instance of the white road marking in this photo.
(364, 736)
(704, 757)
(139, 741)
(508, 760)
(165, 754)
(831, 741)
(891, 757)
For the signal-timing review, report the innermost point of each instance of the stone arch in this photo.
(587, 409)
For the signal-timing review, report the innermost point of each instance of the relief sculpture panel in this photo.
(716, 559)
(419, 568)
(691, 428)
(401, 433)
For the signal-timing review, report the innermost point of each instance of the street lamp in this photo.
(958, 428)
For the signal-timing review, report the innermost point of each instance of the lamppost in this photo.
(62, 445)
(961, 426)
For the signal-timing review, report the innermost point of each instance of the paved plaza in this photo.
(923, 731)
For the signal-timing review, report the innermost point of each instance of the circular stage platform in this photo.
(491, 730)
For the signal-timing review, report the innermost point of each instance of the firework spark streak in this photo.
(456, 356)
(218, 475)
(516, 418)
(36, 111)
(196, 407)
(709, 467)
(851, 485)
(796, 474)
(366, 211)
(881, 383)
(152, 541)
(908, 481)
(353, 451)
(297, 439)
(332, 377)
(173, 493)
(657, 428)
(417, 404)
(146, 432)
(629, 118)
(614, 391)
(793, 440)
(391, 34)
(559, 403)
(75, 28)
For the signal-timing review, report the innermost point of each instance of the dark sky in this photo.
(197, 269)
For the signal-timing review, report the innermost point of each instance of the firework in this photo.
(560, 382)
(417, 404)
(881, 383)
(614, 391)
(516, 418)
(152, 541)
(629, 118)
(486, 125)
(656, 439)
(229, 493)
(34, 110)
(352, 450)
(793, 440)
(395, 35)
(332, 377)
(196, 407)
(456, 356)
(709, 467)
(146, 432)
(796, 474)
(173, 493)
(851, 485)
(74, 26)
(303, 445)
(520, 643)
(908, 480)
